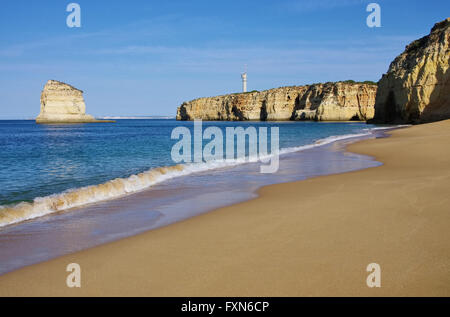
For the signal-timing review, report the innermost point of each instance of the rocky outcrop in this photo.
(416, 87)
(62, 103)
(341, 101)
(336, 102)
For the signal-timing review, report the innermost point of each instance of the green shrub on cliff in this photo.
(367, 82)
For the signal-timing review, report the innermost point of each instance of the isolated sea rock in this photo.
(62, 103)
(416, 87)
(341, 101)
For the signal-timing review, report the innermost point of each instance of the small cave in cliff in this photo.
(263, 113)
(390, 111)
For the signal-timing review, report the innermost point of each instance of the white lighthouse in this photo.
(244, 81)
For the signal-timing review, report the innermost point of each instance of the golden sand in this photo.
(308, 238)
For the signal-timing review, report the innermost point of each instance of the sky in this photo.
(145, 57)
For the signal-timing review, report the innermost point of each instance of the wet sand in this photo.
(308, 238)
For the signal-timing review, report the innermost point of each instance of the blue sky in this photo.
(147, 57)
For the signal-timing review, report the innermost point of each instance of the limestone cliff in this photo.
(62, 103)
(416, 87)
(336, 102)
(330, 101)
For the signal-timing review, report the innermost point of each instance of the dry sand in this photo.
(307, 238)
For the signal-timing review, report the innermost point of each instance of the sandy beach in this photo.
(308, 238)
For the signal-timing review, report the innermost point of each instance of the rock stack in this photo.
(62, 103)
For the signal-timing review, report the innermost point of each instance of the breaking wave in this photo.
(119, 187)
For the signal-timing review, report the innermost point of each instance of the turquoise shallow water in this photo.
(39, 161)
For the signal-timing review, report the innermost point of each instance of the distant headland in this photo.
(333, 101)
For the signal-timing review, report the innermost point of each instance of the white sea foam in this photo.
(388, 128)
(124, 186)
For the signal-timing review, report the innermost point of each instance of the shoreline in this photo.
(312, 237)
(82, 197)
(142, 211)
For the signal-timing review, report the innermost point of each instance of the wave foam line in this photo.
(118, 187)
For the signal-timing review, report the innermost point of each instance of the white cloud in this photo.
(314, 5)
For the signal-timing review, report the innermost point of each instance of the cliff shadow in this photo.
(263, 112)
(299, 104)
(386, 112)
(182, 112)
(390, 108)
(237, 113)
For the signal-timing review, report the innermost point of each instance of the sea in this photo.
(68, 187)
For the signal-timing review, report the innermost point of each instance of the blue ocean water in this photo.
(41, 160)
(57, 162)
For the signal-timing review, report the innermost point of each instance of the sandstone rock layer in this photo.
(416, 87)
(62, 103)
(339, 101)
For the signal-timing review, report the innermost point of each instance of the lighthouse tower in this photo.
(244, 81)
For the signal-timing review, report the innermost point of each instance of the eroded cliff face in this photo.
(331, 101)
(337, 102)
(62, 103)
(416, 87)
